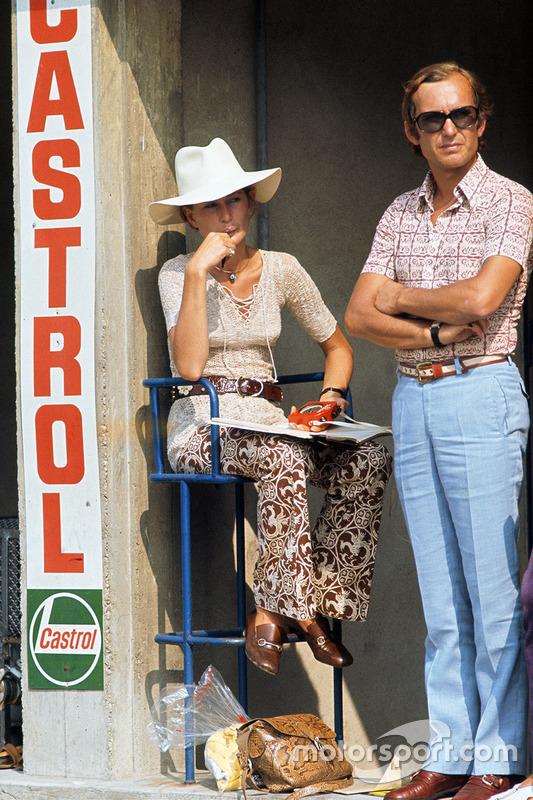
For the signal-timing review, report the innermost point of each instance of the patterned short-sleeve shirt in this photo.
(491, 215)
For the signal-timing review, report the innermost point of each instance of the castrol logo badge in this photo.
(65, 639)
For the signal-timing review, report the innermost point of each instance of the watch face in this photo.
(310, 407)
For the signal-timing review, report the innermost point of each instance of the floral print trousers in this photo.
(302, 572)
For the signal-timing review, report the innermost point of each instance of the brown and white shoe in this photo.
(323, 644)
(481, 787)
(428, 785)
(264, 644)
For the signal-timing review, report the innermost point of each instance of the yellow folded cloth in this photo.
(221, 758)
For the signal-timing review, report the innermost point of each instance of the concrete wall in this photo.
(169, 74)
(334, 74)
(138, 556)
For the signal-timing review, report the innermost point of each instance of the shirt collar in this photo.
(464, 191)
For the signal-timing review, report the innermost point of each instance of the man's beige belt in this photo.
(427, 371)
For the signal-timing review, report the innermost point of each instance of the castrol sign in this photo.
(56, 331)
(65, 640)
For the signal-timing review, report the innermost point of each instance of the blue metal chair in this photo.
(189, 637)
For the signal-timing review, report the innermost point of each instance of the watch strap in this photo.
(434, 331)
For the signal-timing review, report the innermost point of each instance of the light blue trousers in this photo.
(459, 446)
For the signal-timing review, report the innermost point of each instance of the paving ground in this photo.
(18, 786)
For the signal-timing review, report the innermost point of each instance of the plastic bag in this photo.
(190, 714)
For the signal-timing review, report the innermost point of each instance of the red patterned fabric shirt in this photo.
(492, 215)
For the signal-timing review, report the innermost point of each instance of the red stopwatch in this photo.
(317, 413)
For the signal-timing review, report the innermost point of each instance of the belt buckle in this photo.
(254, 394)
(423, 378)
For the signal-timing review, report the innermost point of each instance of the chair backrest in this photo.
(162, 473)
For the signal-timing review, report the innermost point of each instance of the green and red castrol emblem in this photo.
(65, 639)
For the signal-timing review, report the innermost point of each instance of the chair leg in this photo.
(188, 666)
(337, 690)
(241, 591)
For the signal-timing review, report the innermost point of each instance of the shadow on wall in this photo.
(162, 550)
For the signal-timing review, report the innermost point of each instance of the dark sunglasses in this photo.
(433, 121)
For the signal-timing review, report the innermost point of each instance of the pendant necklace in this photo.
(232, 274)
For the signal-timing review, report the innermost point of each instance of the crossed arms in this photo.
(377, 306)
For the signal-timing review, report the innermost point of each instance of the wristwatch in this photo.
(434, 331)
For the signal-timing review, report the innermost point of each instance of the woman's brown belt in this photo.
(245, 387)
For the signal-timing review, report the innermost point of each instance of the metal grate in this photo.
(10, 615)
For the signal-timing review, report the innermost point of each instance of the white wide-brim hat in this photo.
(209, 173)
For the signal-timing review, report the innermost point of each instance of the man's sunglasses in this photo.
(433, 121)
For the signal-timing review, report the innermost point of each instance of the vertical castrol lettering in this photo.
(65, 420)
(57, 196)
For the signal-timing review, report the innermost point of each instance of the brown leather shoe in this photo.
(480, 787)
(264, 644)
(323, 644)
(429, 786)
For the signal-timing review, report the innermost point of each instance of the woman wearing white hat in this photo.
(222, 307)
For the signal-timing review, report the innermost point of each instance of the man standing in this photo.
(444, 285)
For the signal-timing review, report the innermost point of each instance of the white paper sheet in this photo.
(353, 431)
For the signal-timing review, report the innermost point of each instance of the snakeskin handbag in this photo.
(292, 753)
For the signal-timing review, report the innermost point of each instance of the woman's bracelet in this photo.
(342, 392)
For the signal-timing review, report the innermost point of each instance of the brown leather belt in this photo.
(428, 371)
(244, 387)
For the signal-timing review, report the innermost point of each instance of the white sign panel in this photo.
(57, 294)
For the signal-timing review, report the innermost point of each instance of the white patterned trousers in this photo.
(302, 571)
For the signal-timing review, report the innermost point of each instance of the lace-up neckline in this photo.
(243, 306)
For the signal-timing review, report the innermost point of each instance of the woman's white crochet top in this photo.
(242, 335)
